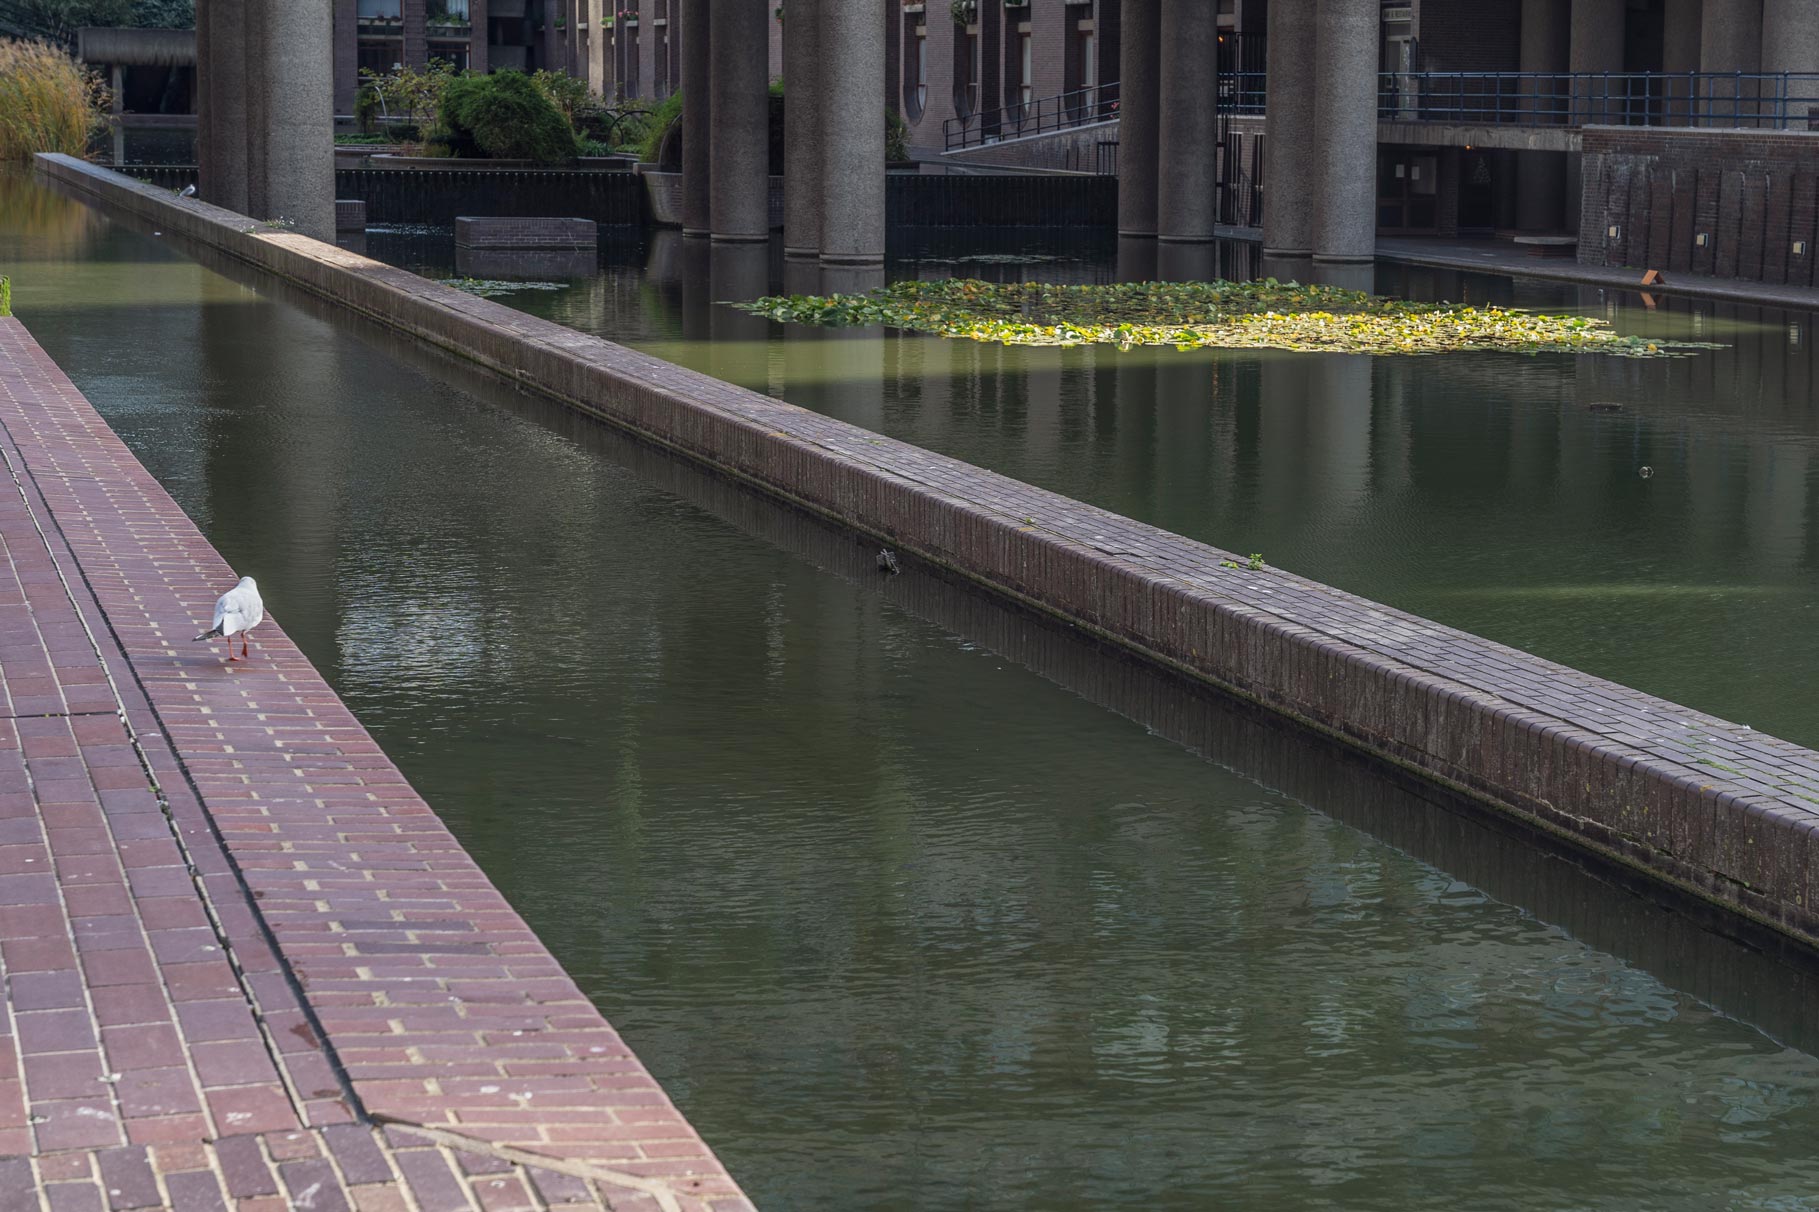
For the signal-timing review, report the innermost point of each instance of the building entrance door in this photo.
(1407, 190)
(1477, 191)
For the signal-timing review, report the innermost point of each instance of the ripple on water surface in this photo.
(899, 923)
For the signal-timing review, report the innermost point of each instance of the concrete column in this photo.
(258, 97)
(347, 55)
(599, 47)
(478, 59)
(802, 133)
(1541, 176)
(298, 103)
(739, 140)
(1345, 128)
(852, 135)
(1597, 46)
(1138, 116)
(1288, 149)
(697, 118)
(1730, 40)
(648, 37)
(221, 98)
(416, 33)
(1186, 205)
(1790, 40)
(1680, 53)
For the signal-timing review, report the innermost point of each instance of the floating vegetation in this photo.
(488, 288)
(1223, 315)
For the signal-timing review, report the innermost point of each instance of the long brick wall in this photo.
(1682, 798)
(1730, 203)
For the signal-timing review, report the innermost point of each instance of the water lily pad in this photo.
(1267, 314)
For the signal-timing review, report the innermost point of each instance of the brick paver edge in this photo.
(1696, 802)
(603, 1120)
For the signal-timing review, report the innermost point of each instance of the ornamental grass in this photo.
(48, 101)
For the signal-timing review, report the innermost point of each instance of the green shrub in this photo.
(657, 127)
(896, 135)
(6, 296)
(48, 101)
(503, 116)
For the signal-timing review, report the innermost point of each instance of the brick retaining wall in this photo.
(1753, 195)
(1707, 806)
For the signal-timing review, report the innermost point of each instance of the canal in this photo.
(910, 903)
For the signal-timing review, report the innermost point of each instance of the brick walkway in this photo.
(245, 965)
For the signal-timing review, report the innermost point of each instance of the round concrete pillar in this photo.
(739, 141)
(1541, 176)
(852, 135)
(802, 134)
(1680, 53)
(1288, 160)
(1597, 46)
(697, 118)
(221, 57)
(1186, 204)
(1140, 49)
(1730, 40)
(1790, 39)
(295, 102)
(1345, 146)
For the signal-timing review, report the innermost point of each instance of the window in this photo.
(966, 72)
(387, 9)
(1026, 69)
(380, 58)
(1089, 61)
(452, 53)
(915, 69)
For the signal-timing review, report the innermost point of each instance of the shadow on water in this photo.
(1750, 973)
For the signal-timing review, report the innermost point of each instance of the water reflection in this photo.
(900, 924)
(1497, 492)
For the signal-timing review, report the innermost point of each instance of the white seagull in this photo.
(239, 611)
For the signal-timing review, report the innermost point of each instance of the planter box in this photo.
(665, 191)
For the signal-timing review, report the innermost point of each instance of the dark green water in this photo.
(1481, 490)
(867, 872)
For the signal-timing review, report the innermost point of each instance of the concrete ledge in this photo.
(1690, 800)
(487, 232)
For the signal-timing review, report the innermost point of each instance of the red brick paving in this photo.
(233, 938)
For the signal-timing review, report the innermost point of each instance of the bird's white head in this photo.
(247, 583)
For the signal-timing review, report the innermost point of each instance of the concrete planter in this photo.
(665, 192)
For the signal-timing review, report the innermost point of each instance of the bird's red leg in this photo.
(230, 649)
(246, 645)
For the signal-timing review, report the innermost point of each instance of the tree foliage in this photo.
(58, 20)
(504, 116)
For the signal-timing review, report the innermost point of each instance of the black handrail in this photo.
(1082, 107)
(1758, 100)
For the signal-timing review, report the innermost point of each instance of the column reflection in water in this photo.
(1182, 262)
(1136, 259)
(839, 371)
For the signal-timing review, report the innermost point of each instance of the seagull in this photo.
(239, 611)
(189, 191)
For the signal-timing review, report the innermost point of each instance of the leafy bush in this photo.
(658, 126)
(48, 102)
(503, 116)
(405, 96)
(896, 135)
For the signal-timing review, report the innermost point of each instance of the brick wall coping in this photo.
(1697, 802)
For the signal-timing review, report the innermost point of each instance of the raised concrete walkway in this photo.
(245, 965)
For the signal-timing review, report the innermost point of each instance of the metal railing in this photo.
(1082, 107)
(1759, 100)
